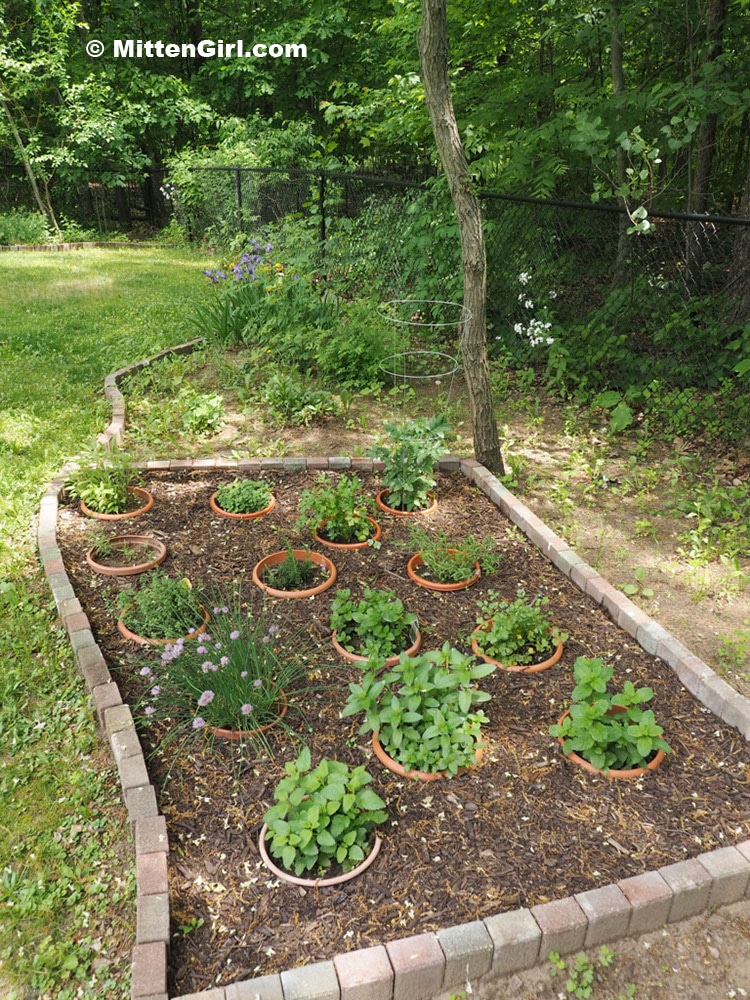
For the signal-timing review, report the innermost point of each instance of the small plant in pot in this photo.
(517, 635)
(422, 712)
(233, 682)
(443, 564)
(336, 512)
(607, 733)
(323, 816)
(161, 609)
(378, 625)
(294, 573)
(243, 497)
(124, 555)
(409, 456)
(108, 490)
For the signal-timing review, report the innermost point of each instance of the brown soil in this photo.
(523, 828)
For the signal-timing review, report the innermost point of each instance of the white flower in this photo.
(524, 278)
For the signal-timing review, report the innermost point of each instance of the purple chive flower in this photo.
(217, 645)
(224, 660)
(243, 675)
(147, 672)
(190, 631)
(234, 635)
(217, 611)
(266, 639)
(200, 649)
(206, 698)
(156, 691)
(225, 610)
(149, 710)
(246, 709)
(198, 722)
(274, 630)
(257, 683)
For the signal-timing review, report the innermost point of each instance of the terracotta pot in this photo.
(243, 734)
(139, 541)
(393, 765)
(147, 502)
(374, 537)
(126, 633)
(391, 661)
(528, 668)
(416, 561)
(404, 513)
(278, 557)
(633, 772)
(314, 882)
(240, 517)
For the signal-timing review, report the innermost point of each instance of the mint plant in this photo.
(623, 739)
(244, 496)
(409, 457)
(376, 626)
(340, 505)
(423, 708)
(322, 816)
(516, 632)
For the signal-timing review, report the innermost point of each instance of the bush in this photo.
(22, 226)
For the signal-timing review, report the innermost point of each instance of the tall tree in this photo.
(433, 56)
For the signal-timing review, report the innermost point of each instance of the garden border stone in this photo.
(414, 967)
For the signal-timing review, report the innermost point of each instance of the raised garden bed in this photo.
(524, 828)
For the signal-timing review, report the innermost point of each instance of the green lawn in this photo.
(66, 320)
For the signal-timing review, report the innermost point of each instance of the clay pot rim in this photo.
(613, 773)
(374, 537)
(245, 516)
(240, 734)
(126, 633)
(314, 882)
(528, 668)
(276, 557)
(382, 505)
(393, 765)
(142, 492)
(391, 661)
(417, 560)
(144, 541)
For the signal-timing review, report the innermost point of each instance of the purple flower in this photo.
(156, 691)
(274, 630)
(149, 710)
(224, 660)
(246, 709)
(206, 666)
(234, 635)
(217, 611)
(257, 683)
(190, 631)
(200, 649)
(217, 645)
(206, 698)
(266, 638)
(243, 675)
(147, 672)
(198, 722)
(225, 610)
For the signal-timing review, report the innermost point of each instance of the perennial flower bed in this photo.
(522, 828)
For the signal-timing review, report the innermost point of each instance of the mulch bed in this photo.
(524, 828)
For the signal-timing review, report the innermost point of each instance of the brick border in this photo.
(423, 965)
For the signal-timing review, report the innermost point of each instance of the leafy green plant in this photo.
(621, 739)
(640, 587)
(103, 547)
(734, 649)
(23, 227)
(292, 573)
(322, 816)
(340, 505)
(162, 607)
(103, 487)
(232, 677)
(244, 496)
(447, 561)
(423, 708)
(720, 515)
(291, 402)
(203, 412)
(376, 626)
(409, 456)
(516, 632)
(583, 972)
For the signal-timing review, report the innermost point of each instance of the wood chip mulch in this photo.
(523, 828)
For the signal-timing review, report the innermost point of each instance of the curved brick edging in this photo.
(85, 245)
(423, 965)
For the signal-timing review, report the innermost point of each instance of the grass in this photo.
(67, 887)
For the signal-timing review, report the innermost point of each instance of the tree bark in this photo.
(44, 209)
(433, 56)
(740, 283)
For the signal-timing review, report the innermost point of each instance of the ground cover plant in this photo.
(217, 875)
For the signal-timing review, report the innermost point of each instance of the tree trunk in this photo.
(740, 283)
(44, 209)
(433, 55)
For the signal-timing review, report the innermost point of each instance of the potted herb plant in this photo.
(517, 635)
(376, 626)
(160, 610)
(445, 565)
(609, 734)
(336, 513)
(294, 573)
(323, 816)
(124, 555)
(409, 457)
(233, 683)
(243, 499)
(422, 712)
(107, 491)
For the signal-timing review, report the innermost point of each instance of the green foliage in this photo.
(292, 403)
(409, 455)
(640, 586)
(720, 517)
(519, 632)
(422, 708)
(734, 649)
(583, 972)
(244, 496)
(161, 607)
(340, 504)
(292, 573)
(22, 227)
(202, 412)
(623, 739)
(104, 487)
(322, 816)
(452, 561)
(377, 626)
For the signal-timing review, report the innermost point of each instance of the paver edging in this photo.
(150, 958)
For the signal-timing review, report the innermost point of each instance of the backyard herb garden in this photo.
(522, 827)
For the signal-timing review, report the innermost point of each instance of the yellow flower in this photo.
(279, 266)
